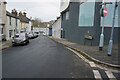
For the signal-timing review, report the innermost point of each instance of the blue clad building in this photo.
(81, 22)
(50, 31)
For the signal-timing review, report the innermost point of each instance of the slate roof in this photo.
(11, 15)
(22, 18)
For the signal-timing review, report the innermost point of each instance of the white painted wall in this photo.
(13, 28)
(44, 30)
(30, 25)
(2, 12)
(2, 16)
(56, 29)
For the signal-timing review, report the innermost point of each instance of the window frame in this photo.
(10, 20)
(16, 22)
(67, 15)
(85, 26)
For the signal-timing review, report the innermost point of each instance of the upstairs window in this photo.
(10, 20)
(67, 15)
(1, 30)
(16, 23)
(86, 13)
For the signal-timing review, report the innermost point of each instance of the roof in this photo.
(56, 20)
(22, 18)
(11, 15)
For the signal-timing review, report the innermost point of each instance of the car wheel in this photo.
(28, 41)
(13, 45)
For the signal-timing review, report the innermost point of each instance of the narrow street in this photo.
(43, 58)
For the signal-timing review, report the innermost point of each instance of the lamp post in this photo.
(103, 14)
(112, 31)
(102, 35)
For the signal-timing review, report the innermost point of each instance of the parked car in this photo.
(30, 35)
(20, 39)
(35, 35)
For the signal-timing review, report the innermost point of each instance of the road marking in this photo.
(110, 75)
(78, 54)
(92, 64)
(97, 74)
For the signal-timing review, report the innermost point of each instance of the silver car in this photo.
(20, 39)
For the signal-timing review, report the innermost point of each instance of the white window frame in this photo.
(67, 15)
(93, 16)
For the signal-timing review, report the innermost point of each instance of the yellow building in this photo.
(24, 21)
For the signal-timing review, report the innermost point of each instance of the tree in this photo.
(36, 22)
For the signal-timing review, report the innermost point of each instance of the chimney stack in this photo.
(24, 14)
(20, 13)
(14, 12)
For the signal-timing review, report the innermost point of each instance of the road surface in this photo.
(44, 58)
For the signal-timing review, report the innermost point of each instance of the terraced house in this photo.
(24, 22)
(13, 23)
(82, 22)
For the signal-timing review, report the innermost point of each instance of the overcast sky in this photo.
(44, 9)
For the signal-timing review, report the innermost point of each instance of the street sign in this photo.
(104, 11)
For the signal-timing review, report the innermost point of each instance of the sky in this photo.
(45, 10)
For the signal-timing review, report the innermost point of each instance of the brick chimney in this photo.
(14, 12)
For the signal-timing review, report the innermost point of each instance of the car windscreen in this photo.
(16, 36)
(22, 36)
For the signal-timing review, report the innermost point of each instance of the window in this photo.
(16, 22)
(62, 17)
(86, 13)
(1, 29)
(10, 20)
(109, 18)
(10, 33)
(67, 15)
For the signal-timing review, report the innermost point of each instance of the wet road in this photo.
(43, 58)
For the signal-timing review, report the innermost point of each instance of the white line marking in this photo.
(110, 75)
(97, 74)
(78, 55)
(92, 64)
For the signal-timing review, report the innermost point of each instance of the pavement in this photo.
(93, 53)
(45, 58)
(5, 44)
